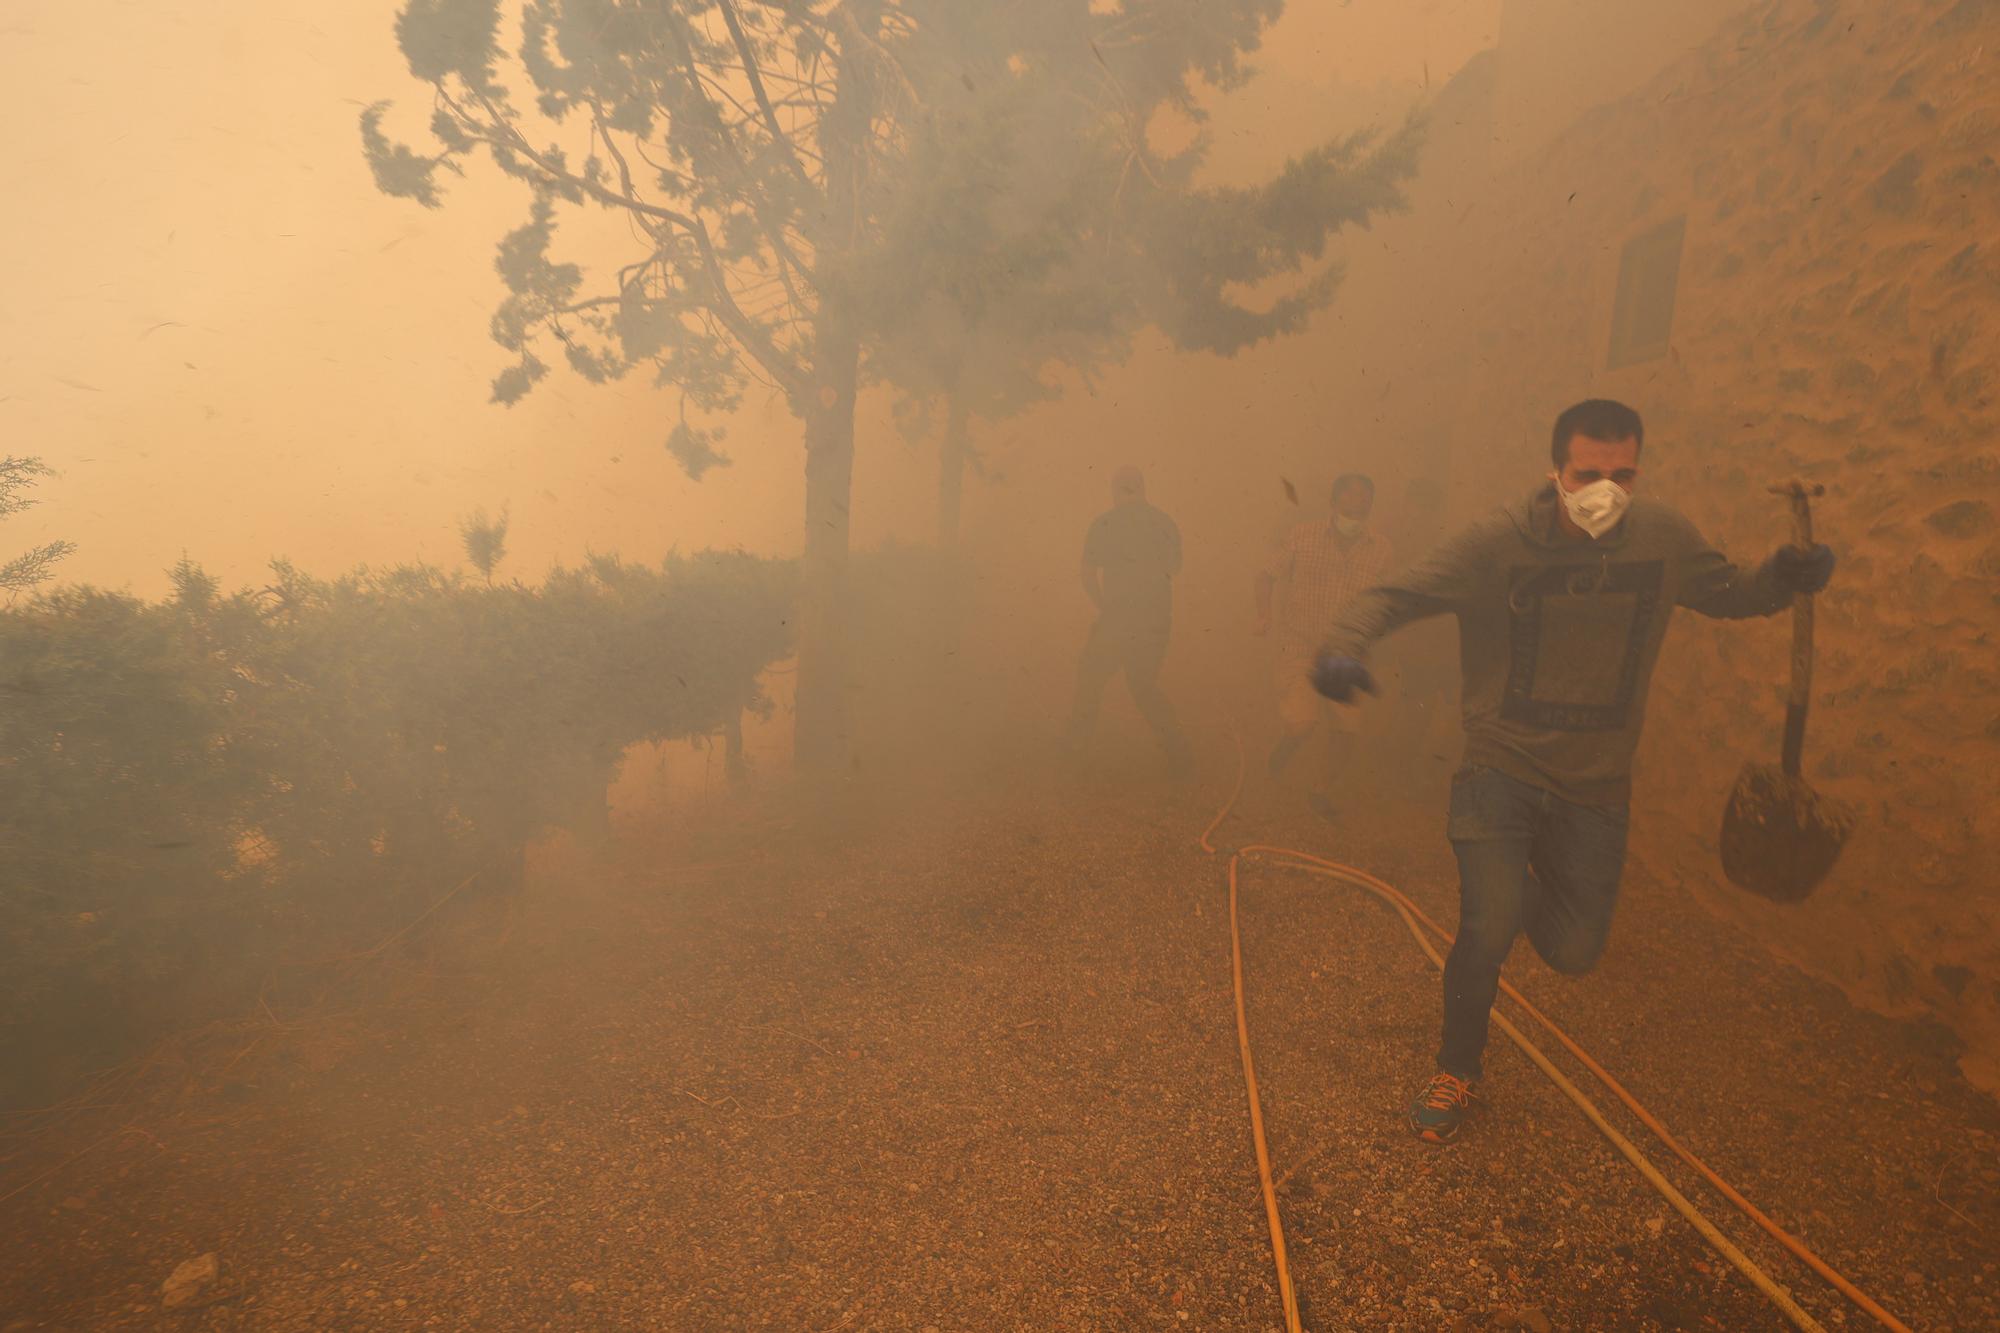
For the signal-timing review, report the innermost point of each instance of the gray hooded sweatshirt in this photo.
(1558, 635)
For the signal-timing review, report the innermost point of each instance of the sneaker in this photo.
(1321, 804)
(1441, 1108)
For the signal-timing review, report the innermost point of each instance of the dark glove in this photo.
(1339, 677)
(1802, 569)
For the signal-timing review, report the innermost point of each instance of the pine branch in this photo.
(752, 338)
(773, 231)
(750, 70)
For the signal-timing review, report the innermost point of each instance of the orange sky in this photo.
(230, 344)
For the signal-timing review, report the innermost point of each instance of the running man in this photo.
(1562, 603)
(1130, 557)
(1327, 563)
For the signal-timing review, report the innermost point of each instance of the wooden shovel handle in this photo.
(1800, 494)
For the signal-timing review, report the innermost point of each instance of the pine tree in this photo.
(30, 568)
(816, 188)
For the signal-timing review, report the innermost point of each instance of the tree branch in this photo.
(617, 154)
(774, 231)
(747, 332)
(778, 135)
(594, 303)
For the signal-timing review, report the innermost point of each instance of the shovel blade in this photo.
(1780, 838)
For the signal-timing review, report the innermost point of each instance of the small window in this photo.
(1649, 274)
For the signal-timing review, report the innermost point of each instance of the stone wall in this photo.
(1838, 319)
(1561, 58)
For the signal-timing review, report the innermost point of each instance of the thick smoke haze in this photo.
(231, 345)
(488, 864)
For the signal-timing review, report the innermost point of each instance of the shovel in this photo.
(1779, 836)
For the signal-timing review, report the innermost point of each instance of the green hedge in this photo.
(196, 791)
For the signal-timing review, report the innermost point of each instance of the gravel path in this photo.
(978, 1071)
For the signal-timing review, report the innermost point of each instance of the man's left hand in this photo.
(1803, 569)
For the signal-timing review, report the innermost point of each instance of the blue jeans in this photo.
(1527, 860)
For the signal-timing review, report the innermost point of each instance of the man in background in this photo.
(1562, 601)
(1130, 557)
(1325, 563)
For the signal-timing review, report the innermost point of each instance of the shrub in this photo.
(195, 789)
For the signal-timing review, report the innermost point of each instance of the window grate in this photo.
(1649, 273)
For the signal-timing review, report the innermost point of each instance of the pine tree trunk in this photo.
(946, 612)
(820, 739)
(951, 472)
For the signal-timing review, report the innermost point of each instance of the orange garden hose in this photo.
(1415, 918)
(1286, 1295)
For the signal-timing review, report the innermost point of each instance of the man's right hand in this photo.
(1263, 626)
(1339, 678)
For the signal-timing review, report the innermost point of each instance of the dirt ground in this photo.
(975, 1068)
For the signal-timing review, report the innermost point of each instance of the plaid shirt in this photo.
(1325, 576)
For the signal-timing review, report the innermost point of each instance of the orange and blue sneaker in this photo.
(1441, 1108)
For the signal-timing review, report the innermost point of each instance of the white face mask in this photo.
(1595, 508)
(1349, 528)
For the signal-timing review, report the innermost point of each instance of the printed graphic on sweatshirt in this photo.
(1579, 642)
